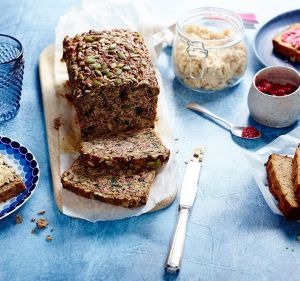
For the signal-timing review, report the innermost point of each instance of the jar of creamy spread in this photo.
(209, 52)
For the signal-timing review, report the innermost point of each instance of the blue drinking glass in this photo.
(11, 76)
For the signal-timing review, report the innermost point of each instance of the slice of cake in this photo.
(288, 43)
(139, 149)
(113, 81)
(125, 187)
(296, 173)
(279, 172)
(10, 183)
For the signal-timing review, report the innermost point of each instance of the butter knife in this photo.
(186, 200)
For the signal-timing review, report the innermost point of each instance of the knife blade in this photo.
(186, 200)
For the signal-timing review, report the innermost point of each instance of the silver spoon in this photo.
(235, 130)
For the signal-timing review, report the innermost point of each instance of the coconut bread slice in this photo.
(119, 187)
(139, 149)
(279, 173)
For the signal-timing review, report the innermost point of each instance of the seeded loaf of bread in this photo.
(128, 188)
(113, 81)
(296, 173)
(279, 172)
(10, 183)
(138, 149)
(288, 42)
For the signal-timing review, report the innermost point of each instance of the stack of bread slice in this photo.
(283, 174)
(115, 94)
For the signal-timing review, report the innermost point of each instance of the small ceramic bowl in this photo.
(275, 111)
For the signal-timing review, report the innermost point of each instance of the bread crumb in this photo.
(19, 219)
(41, 223)
(33, 231)
(32, 220)
(49, 238)
(57, 123)
(185, 163)
(41, 212)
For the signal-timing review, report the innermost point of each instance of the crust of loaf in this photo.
(296, 173)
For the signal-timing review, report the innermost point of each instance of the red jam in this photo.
(250, 132)
(292, 37)
(275, 89)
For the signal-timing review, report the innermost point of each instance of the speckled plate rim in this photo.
(263, 27)
(23, 197)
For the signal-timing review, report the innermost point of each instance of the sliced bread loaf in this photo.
(288, 42)
(137, 150)
(124, 187)
(279, 173)
(296, 173)
(10, 183)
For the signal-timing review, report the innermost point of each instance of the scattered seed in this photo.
(113, 65)
(118, 82)
(80, 76)
(118, 71)
(90, 59)
(130, 48)
(41, 212)
(126, 67)
(98, 72)
(298, 238)
(121, 55)
(112, 46)
(185, 163)
(33, 231)
(96, 65)
(32, 220)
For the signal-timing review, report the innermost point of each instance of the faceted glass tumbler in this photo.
(11, 76)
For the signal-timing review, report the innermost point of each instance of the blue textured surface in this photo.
(232, 234)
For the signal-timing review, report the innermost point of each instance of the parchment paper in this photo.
(106, 15)
(285, 144)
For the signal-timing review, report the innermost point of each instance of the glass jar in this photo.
(209, 53)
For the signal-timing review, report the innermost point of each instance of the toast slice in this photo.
(279, 172)
(139, 149)
(296, 173)
(10, 183)
(287, 43)
(123, 187)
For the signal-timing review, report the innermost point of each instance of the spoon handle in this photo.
(200, 108)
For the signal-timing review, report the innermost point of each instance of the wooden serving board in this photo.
(51, 102)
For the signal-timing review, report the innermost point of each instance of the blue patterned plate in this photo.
(25, 164)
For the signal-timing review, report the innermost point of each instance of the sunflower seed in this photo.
(118, 71)
(130, 48)
(143, 63)
(126, 67)
(118, 82)
(103, 66)
(112, 46)
(98, 72)
(90, 59)
(121, 55)
(96, 65)
(113, 65)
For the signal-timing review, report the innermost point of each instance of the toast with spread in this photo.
(287, 43)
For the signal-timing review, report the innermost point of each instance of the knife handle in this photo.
(176, 247)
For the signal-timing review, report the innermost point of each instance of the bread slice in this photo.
(10, 183)
(137, 150)
(296, 173)
(279, 172)
(286, 48)
(124, 187)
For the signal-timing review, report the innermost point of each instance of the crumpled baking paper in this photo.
(285, 144)
(99, 15)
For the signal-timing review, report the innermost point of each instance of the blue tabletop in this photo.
(232, 234)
